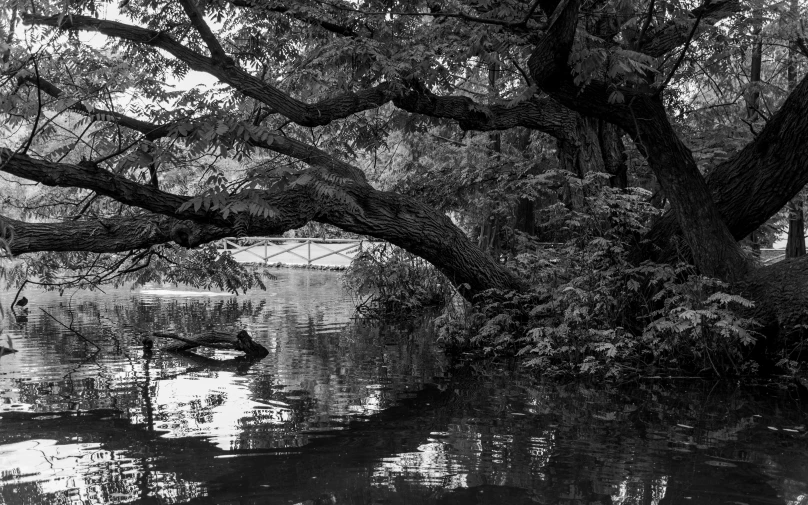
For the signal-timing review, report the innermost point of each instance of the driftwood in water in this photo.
(217, 340)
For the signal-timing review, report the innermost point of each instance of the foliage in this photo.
(321, 230)
(205, 268)
(389, 282)
(590, 311)
(232, 152)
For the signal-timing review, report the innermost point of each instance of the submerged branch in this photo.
(217, 340)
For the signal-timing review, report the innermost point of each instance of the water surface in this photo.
(346, 412)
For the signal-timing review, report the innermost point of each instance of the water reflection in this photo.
(346, 413)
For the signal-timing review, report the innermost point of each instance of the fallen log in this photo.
(217, 340)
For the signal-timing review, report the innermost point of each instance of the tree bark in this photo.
(757, 182)
(355, 206)
(643, 116)
(525, 211)
(715, 251)
(242, 341)
(795, 244)
(615, 161)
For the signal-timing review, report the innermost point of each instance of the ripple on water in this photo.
(351, 413)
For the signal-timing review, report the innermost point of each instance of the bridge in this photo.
(305, 251)
(321, 252)
(769, 256)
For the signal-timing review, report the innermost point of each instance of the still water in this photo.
(342, 412)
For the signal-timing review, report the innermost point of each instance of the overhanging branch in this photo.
(210, 40)
(318, 114)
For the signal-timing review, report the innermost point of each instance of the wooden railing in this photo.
(769, 256)
(297, 250)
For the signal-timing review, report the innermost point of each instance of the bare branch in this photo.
(684, 51)
(645, 25)
(149, 130)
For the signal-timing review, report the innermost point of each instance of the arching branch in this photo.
(198, 22)
(318, 114)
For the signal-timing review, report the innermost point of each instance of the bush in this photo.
(591, 311)
(386, 281)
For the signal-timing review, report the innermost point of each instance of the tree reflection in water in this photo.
(343, 412)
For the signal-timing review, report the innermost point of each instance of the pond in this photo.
(345, 412)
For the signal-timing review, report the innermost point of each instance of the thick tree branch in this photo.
(548, 62)
(150, 131)
(399, 219)
(109, 235)
(543, 114)
(342, 30)
(758, 181)
(198, 22)
(675, 33)
(278, 143)
(538, 113)
(643, 116)
(103, 182)
(318, 114)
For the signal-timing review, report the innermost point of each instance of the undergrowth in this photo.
(589, 311)
(388, 282)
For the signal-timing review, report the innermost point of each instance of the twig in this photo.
(38, 111)
(71, 329)
(645, 26)
(17, 295)
(531, 10)
(684, 50)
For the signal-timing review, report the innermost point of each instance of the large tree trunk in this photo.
(594, 146)
(579, 152)
(643, 117)
(615, 161)
(714, 249)
(525, 211)
(491, 225)
(795, 244)
(757, 182)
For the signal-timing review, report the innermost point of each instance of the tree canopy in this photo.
(311, 97)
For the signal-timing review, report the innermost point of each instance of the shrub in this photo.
(387, 281)
(591, 311)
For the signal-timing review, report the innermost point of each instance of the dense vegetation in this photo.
(595, 175)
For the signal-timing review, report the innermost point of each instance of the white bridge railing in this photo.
(293, 251)
(769, 256)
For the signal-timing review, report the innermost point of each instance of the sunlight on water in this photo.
(351, 412)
